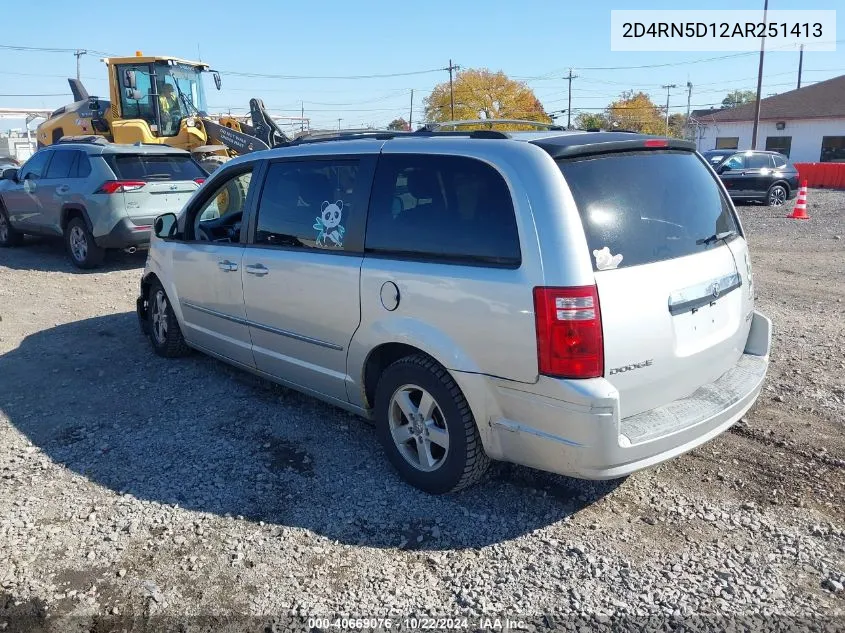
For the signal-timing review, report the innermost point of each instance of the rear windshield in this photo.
(154, 167)
(643, 207)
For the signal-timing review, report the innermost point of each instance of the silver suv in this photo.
(576, 302)
(95, 194)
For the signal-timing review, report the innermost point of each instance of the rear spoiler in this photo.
(557, 150)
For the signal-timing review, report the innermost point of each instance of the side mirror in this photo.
(10, 174)
(165, 225)
(129, 79)
(217, 81)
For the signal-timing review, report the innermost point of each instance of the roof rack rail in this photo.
(91, 139)
(436, 125)
(386, 135)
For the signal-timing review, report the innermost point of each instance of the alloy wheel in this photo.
(777, 197)
(418, 428)
(159, 313)
(78, 244)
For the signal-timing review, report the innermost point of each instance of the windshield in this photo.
(186, 84)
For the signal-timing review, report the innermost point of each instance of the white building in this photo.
(16, 145)
(807, 124)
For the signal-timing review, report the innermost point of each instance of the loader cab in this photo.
(162, 93)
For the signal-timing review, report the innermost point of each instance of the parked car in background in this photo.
(755, 175)
(576, 302)
(95, 194)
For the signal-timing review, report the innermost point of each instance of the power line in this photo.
(233, 73)
(52, 94)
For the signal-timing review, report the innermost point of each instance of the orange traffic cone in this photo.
(800, 210)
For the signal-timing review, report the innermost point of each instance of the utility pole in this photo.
(338, 124)
(759, 80)
(79, 53)
(800, 64)
(689, 99)
(411, 115)
(668, 88)
(570, 77)
(302, 116)
(451, 88)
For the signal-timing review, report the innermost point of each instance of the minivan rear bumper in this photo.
(573, 427)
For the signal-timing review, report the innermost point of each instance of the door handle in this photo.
(63, 189)
(259, 270)
(227, 266)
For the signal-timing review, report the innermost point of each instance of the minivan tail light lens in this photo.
(120, 186)
(199, 181)
(569, 335)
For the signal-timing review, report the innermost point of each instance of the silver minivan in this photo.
(577, 302)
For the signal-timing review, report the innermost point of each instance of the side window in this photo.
(82, 166)
(780, 161)
(759, 161)
(61, 164)
(737, 161)
(308, 204)
(444, 207)
(227, 200)
(33, 169)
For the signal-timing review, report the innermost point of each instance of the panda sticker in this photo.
(328, 224)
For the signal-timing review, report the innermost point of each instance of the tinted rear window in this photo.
(646, 206)
(443, 208)
(154, 167)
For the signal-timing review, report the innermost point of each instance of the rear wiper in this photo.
(715, 238)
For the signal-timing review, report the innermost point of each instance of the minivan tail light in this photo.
(199, 181)
(120, 186)
(569, 335)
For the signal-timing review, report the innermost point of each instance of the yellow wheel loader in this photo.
(161, 100)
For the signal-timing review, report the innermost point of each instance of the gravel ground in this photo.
(132, 486)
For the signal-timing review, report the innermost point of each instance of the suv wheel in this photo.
(81, 248)
(8, 235)
(776, 197)
(165, 333)
(426, 426)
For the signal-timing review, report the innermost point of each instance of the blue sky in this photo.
(532, 40)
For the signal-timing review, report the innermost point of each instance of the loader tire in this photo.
(210, 163)
(233, 197)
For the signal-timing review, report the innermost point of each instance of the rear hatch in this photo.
(670, 267)
(152, 184)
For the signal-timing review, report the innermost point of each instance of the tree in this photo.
(482, 94)
(590, 121)
(636, 112)
(398, 124)
(738, 98)
(677, 125)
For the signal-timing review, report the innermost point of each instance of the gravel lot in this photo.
(135, 486)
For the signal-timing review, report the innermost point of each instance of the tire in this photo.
(165, 333)
(233, 196)
(777, 195)
(80, 245)
(210, 163)
(463, 461)
(8, 235)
